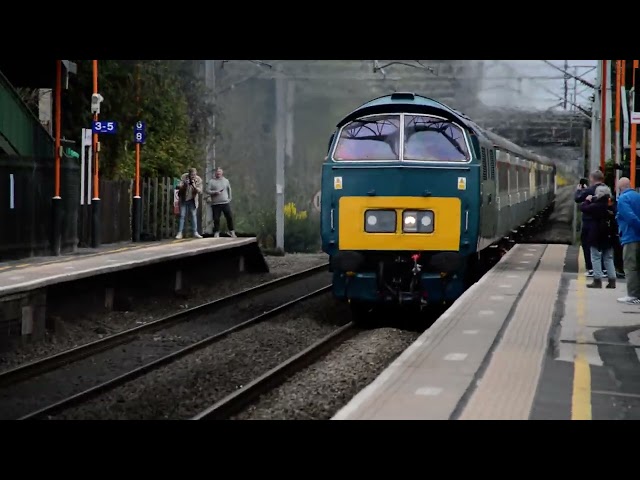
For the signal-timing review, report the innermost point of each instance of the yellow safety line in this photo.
(581, 398)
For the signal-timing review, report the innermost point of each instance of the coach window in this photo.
(431, 139)
(376, 137)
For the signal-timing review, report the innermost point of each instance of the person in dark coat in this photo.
(600, 235)
(582, 192)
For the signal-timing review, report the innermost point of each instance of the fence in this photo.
(159, 220)
(26, 191)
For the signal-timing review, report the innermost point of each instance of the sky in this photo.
(544, 92)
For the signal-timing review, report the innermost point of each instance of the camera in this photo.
(584, 182)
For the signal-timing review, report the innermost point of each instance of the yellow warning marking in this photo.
(581, 398)
(462, 183)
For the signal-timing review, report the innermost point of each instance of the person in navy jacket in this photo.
(628, 218)
(601, 235)
(595, 180)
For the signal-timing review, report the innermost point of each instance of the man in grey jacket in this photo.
(220, 191)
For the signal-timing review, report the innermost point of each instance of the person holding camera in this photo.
(583, 191)
(188, 191)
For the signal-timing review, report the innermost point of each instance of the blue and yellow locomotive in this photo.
(414, 193)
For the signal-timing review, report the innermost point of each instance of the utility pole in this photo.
(596, 120)
(281, 134)
(604, 118)
(566, 84)
(575, 89)
(210, 162)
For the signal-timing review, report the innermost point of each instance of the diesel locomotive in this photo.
(415, 194)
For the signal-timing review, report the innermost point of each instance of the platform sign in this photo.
(139, 132)
(104, 126)
(635, 117)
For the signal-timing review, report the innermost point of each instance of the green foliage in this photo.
(301, 229)
(166, 94)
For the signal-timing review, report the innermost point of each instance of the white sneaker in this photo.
(629, 300)
(588, 273)
(197, 235)
(232, 233)
(216, 235)
(179, 236)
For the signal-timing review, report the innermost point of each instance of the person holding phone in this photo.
(219, 189)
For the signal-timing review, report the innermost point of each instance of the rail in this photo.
(92, 392)
(47, 364)
(235, 402)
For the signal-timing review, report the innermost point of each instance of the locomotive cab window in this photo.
(433, 139)
(376, 137)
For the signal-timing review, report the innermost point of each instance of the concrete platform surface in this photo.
(29, 274)
(429, 380)
(528, 341)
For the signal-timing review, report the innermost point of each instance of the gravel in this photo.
(319, 391)
(558, 229)
(35, 393)
(186, 387)
(72, 334)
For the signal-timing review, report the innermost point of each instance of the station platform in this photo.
(529, 341)
(29, 287)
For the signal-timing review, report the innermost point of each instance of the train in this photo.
(416, 197)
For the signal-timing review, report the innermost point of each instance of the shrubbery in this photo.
(301, 228)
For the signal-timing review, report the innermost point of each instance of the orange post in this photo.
(58, 120)
(96, 163)
(137, 144)
(603, 115)
(634, 130)
(137, 169)
(618, 111)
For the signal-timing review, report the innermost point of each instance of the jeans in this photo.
(586, 248)
(191, 206)
(630, 253)
(603, 257)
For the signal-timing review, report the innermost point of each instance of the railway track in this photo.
(32, 371)
(240, 399)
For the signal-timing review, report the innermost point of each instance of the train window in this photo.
(433, 139)
(371, 138)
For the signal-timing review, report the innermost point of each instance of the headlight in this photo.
(380, 221)
(417, 221)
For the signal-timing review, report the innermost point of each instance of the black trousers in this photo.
(225, 209)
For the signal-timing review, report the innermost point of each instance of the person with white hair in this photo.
(601, 235)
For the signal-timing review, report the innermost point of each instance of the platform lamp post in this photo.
(96, 100)
(63, 68)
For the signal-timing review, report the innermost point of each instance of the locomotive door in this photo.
(488, 194)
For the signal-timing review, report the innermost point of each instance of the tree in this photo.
(168, 95)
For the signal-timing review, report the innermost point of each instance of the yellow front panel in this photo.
(446, 234)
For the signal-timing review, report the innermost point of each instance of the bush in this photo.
(301, 230)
